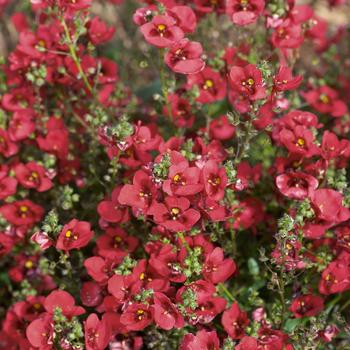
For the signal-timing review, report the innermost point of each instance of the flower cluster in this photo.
(174, 175)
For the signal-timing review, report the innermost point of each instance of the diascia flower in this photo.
(306, 305)
(221, 128)
(165, 313)
(136, 317)
(183, 180)
(174, 214)
(74, 235)
(244, 12)
(22, 213)
(162, 31)
(328, 204)
(32, 175)
(212, 86)
(215, 180)
(201, 341)
(325, 100)
(284, 79)
(296, 185)
(248, 82)
(184, 57)
(235, 321)
(63, 300)
(140, 194)
(216, 269)
(97, 333)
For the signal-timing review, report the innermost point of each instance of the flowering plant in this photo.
(174, 175)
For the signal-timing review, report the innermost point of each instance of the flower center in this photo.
(161, 29)
(208, 84)
(140, 314)
(175, 212)
(300, 142)
(324, 99)
(28, 264)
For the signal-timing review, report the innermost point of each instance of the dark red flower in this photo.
(136, 317)
(74, 235)
(175, 214)
(248, 81)
(328, 204)
(97, 333)
(22, 213)
(64, 301)
(32, 175)
(284, 79)
(203, 340)
(212, 86)
(235, 321)
(306, 305)
(140, 194)
(162, 31)
(326, 100)
(216, 269)
(244, 12)
(221, 128)
(183, 180)
(296, 185)
(184, 57)
(165, 313)
(215, 180)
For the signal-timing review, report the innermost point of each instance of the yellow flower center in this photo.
(300, 142)
(208, 84)
(28, 264)
(324, 99)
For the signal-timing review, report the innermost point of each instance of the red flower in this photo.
(244, 12)
(184, 57)
(165, 313)
(140, 194)
(98, 31)
(234, 320)
(335, 278)
(284, 80)
(8, 185)
(111, 210)
(216, 269)
(64, 301)
(328, 204)
(40, 332)
(32, 175)
(162, 31)
(325, 100)
(136, 317)
(248, 82)
(183, 180)
(299, 141)
(22, 213)
(21, 125)
(287, 35)
(184, 16)
(296, 185)
(97, 333)
(306, 306)
(7, 147)
(221, 128)
(116, 244)
(211, 85)
(74, 235)
(175, 214)
(203, 340)
(215, 180)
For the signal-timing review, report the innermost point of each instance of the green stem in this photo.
(75, 57)
(229, 295)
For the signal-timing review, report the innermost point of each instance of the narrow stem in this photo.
(223, 288)
(75, 57)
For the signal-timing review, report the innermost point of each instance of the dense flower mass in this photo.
(174, 175)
